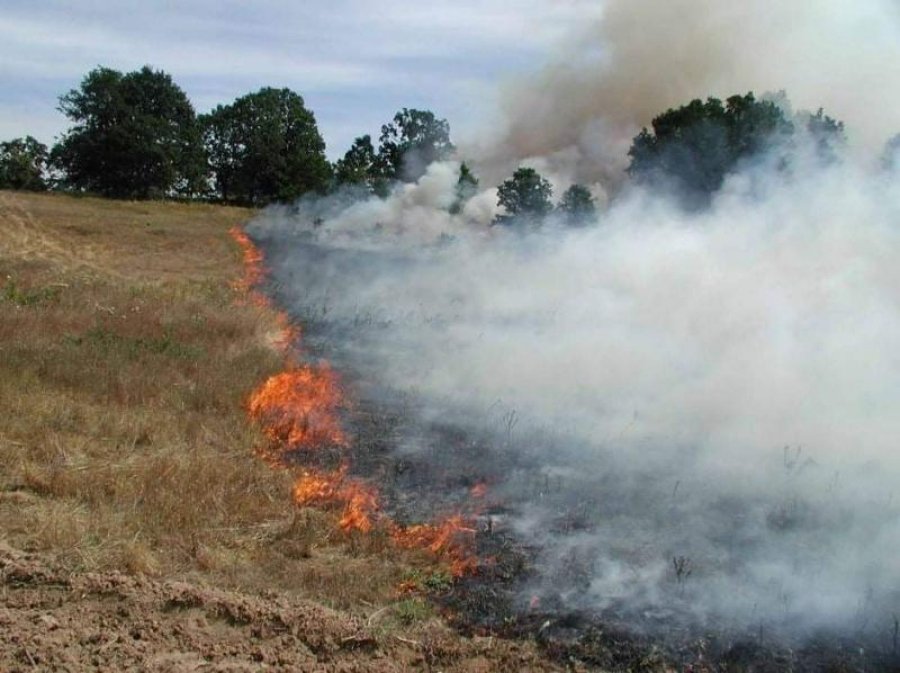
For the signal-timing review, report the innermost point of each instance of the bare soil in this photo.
(53, 620)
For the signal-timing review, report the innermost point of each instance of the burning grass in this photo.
(298, 410)
(125, 369)
(125, 364)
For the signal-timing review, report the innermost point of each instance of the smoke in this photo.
(691, 416)
(641, 57)
(720, 387)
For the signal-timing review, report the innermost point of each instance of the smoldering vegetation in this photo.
(673, 418)
(686, 417)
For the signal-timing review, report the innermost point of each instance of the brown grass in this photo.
(124, 365)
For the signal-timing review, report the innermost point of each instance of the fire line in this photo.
(298, 410)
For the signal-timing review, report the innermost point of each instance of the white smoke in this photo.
(672, 348)
(721, 386)
(643, 56)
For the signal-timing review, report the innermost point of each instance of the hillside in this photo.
(136, 523)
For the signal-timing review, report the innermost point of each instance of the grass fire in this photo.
(606, 379)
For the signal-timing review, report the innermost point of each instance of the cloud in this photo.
(350, 59)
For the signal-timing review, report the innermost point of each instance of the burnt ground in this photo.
(500, 599)
(428, 466)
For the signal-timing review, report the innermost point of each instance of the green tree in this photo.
(265, 147)
(23, 164)
(358, 164)
(525, 197)
(577, 206)
(693, 148)
(466, 188)
(360, 167)
(412, 141)
(134, 136)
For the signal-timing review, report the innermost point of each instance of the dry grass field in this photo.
(126, 358)
(124, 365)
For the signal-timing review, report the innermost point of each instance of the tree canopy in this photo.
(412, 141)
(23, 164)
(577, 206)
(827, 135)
(525, 197)
(265, 147)
(360, 166)
(134, 136)
(692, 148)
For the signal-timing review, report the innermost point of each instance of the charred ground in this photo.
(429, 464)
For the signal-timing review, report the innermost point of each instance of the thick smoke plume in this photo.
(710, 398)
(721, 387)
(641, 57)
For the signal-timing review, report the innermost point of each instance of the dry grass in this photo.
(124, 364)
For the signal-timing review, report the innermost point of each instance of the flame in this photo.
(255, 271)
(326, 489)
(452, 539)
(298, 408)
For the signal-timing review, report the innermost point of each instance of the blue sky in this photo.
(355, 62)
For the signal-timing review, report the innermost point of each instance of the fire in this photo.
(452, 539)
(298, 408)
(318, 488)
(255, 270)
(326, 489)
(361, 505)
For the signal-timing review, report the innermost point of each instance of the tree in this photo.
(23, 164)
(525, 197)
(265, 147)
(466, 188)
(360, 166)
(693, 148)
(412, 141)
(577, 205)
(827, 135)
(134, 136)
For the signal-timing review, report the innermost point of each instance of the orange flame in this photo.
(255, 270)
(299, 407)
(452, 539)
(324, 489)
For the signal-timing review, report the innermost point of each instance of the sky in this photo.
(355, 62)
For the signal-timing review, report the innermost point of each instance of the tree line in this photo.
(136, 135)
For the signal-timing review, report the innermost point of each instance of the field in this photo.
(132, 507)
